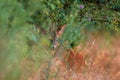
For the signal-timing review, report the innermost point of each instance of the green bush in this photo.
(26, 28)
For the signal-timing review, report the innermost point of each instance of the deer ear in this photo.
(60, 32)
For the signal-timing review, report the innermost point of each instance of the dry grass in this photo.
(101, 62)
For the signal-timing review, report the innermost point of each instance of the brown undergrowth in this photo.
(99, 60)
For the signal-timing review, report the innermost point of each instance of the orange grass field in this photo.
(100, 61)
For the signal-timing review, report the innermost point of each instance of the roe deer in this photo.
(73, 59)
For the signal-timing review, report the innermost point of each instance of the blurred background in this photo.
(28, 33)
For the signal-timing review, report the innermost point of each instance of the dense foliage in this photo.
(26, 25)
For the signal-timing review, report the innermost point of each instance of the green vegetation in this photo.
(27, 26)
